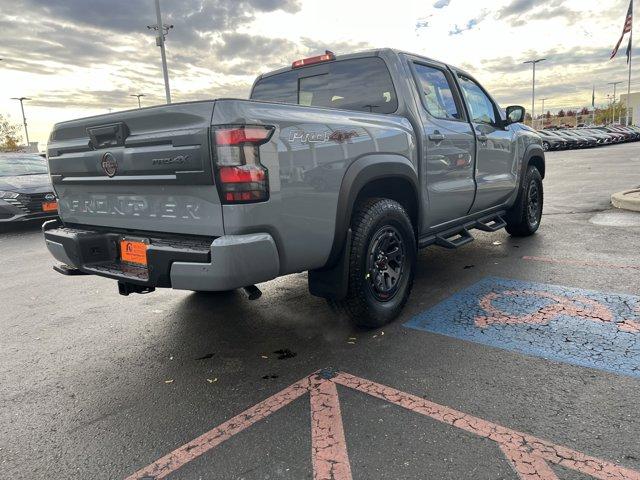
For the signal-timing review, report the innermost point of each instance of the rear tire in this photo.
(381, 263)
(523, 219)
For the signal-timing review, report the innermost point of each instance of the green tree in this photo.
(611, 113)
(10, 137)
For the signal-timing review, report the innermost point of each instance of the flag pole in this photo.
(629, 82)
(629, 93)
(593, 106)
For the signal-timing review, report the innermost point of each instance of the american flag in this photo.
(628, 24)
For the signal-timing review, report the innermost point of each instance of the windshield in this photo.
(15, 165)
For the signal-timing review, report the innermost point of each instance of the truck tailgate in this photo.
(148, 169)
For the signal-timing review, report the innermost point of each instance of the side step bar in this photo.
(491, 225)
(460, 235)
(454, 240)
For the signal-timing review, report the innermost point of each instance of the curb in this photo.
(628, 200)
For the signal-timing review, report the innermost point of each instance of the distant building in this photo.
(634, 105)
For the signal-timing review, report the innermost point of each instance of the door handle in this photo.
(436, 137)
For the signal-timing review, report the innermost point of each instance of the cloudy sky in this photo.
(82, 57)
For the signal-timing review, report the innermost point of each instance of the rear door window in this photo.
(437, 92)
(362, 84)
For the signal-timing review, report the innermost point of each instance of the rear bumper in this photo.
(236, 261)
(202, 264)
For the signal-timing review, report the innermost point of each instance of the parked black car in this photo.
(632, 134)
(625, 136)
(603, 137)
(587, 140)
(617, 136)
(25, 188)
(577, 142)
(552, 142)
(583, 137)
(549, 141)
(569, 142)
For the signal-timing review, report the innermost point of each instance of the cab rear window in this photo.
(362, 84)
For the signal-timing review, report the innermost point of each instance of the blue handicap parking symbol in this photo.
(581, 327)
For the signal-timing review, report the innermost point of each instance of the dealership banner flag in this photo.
(628, 23)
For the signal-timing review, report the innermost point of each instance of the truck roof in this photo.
(364, 53)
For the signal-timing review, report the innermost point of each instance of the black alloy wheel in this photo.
(386, 263)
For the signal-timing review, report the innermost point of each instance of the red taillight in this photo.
(326, 57)
(242, 135)
(241, 177)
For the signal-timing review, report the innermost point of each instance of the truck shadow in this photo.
(288, 317)
(288, 313)
(229, 324)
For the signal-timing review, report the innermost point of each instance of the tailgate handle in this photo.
(105, 136)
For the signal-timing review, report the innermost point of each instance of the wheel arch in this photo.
(534, 155)
(378, 175)
(381, 175)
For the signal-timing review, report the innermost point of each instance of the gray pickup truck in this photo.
(342, 166)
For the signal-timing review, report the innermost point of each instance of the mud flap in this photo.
(332, 283)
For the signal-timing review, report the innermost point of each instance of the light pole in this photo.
(533, 88)
(24, 119)
(543, 110)
(162, 31)
(613, 110)
(138, 95)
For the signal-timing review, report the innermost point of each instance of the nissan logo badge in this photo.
(109, 164)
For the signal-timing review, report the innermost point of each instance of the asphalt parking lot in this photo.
(515, 358)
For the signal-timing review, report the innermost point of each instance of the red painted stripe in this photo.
(182, 455)
(529, 456)
(580, 263)
(328, 444)
(528, 466)
(508, 439)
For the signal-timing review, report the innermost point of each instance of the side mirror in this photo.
(515, 114)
